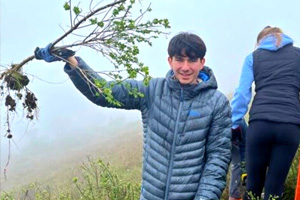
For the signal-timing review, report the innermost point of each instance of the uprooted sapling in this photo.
(14, 89)
(112, 30)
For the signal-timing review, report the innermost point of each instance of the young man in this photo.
(187, 122)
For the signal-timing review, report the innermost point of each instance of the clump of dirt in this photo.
(30, 104)
(16, 81)
(10, 103)
(8, 134)
(13, 88)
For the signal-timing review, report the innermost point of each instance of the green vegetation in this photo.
(116, 29)
(96, 181)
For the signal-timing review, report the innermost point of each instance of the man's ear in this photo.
(170, 61)
(202, 61)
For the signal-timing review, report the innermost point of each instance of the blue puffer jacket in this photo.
(187, 132)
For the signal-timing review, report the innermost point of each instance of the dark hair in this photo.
(187, 44)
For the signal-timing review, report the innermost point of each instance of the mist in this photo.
(68, 129)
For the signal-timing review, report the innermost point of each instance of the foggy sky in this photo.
(229, 29)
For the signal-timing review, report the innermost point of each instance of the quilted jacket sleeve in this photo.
(119, 91)
(218, 152)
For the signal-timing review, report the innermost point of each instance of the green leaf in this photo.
(145, 69)
(76, 10)
(75, 180)
(93, 21)
(121, 7)
(115, 12)
(66, 6)
(112, 55)
(100, 24)
(100, 83)
(167, 23)
(131, 24)
(135, 50)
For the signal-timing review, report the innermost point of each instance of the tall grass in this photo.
(95, 182)
(119, 180)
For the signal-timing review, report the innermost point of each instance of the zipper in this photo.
(173, 146)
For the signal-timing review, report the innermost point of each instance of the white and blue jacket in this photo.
(243, 93)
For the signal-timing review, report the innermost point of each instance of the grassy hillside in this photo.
(122, 150)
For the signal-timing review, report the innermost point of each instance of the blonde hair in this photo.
(268, 30)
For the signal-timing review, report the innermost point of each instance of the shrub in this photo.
(99, 182)
(96, 182)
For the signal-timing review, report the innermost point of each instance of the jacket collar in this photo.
(269, 42)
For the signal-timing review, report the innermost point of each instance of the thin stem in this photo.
(18, 66)
(84, 19)
(70, 2)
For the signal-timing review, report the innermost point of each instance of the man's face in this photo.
(186, 69)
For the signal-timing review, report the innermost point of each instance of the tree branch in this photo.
(17, 67)
(85, 18)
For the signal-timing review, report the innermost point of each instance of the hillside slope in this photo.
(121, 147)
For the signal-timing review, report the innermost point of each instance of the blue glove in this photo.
(48, 55)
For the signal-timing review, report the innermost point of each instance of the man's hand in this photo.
(237, 134)
(49, 55)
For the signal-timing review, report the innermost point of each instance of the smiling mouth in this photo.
(185, 75)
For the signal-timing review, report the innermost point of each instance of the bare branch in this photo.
(84, 19)
(17, 67)
(71, 22)
(139, 18)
